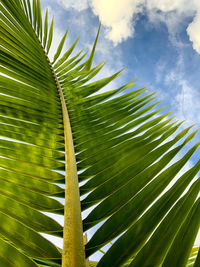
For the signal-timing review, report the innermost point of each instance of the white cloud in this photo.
(193, 31)
(117, 17)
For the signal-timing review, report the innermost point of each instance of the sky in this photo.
(157, 41)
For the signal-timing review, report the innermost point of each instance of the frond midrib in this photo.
(73, 253)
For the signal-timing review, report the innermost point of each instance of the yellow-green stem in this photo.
(73, 247)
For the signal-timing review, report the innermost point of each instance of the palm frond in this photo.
(120, 152)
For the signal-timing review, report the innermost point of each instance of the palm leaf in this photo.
(115, 146)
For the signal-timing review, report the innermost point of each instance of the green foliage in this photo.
(123, 150)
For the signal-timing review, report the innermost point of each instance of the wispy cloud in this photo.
(187, 102)
(78, 4)
(186, 98)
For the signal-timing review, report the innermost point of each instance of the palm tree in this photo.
(114, 148)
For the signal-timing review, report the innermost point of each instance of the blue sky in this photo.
(158, 41)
